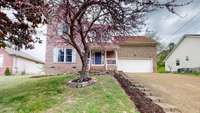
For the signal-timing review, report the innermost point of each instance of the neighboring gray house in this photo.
(19, 62)
(186, 54)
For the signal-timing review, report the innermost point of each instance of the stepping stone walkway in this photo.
(157, 100)
(137, 88)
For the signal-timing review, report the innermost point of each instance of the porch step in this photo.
(100, 72)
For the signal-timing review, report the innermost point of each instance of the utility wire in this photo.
(186, 23)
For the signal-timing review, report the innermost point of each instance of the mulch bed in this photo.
(86, 82)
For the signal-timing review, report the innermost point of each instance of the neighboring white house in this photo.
(186, 54)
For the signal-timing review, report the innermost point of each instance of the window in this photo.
(1, 61)
(68, 55)
(105, 37)
(62, 55)
(62, 28)
(92, 35)
(177, 62)
(186, 58)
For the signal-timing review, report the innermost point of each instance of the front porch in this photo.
(101, 60)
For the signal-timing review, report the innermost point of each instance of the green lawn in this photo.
(190, 73)
(51, 95)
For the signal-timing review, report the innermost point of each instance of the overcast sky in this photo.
(169, 27)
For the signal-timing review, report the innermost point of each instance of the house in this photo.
(19, 62)
(135, 54)
(186, 54)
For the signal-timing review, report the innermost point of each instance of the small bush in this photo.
(196, 73)
(23, 73)
(7, 72)
(161, 69)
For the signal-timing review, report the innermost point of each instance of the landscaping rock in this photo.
(74, 84)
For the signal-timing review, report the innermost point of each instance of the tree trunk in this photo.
(84, 74)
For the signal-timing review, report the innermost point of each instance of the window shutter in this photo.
(55, 55)
(73, 56)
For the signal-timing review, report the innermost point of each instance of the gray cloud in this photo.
(171, 27)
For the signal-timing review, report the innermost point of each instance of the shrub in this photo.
(7, 72)
(23, 73)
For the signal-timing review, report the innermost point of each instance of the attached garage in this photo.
(137, 55)
(135, 66)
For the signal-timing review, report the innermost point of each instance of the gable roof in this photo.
(134, 40)
(22, 55)
(180, 41)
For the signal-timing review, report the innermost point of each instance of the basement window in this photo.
(177, 62)
(186, 58)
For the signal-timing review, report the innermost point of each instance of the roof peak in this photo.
(186, 35)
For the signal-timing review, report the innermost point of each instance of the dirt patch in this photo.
(179, 90)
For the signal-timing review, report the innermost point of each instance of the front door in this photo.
(97, 57)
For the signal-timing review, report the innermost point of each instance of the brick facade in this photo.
(55, 68)
(132, 51)
(124, 52)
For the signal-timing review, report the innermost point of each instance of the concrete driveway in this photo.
(179, 90)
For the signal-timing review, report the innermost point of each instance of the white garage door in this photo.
(135, 66)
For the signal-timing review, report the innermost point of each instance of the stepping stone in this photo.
(167, 107)
(143, 89)
(131, 79)
(138, 85)
(154, 98)
(173, 112)
(147, 93)
(134, 82)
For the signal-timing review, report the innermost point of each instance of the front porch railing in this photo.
(111, 61)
